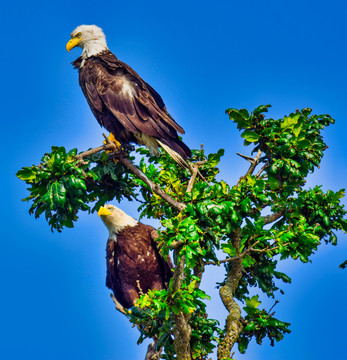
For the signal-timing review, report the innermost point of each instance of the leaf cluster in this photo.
(61, 185)
(154, 315)
(260, 324)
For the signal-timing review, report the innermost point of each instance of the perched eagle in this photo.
(134, 264)
(121, 101)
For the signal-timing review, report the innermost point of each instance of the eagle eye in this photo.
(79, 35)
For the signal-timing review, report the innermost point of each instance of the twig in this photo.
(222, 261)
(119, 307)
(261, 170)
(194, 168)
(254, 162)
(248, 158)
(276, 302)
(269, 248)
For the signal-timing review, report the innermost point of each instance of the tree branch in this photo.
(233, 324)
(182, 330)
(254, 162)
(262, 169)
(136, 171)
(273, 217)
(119, 307)
(194, 168)
(154, 187)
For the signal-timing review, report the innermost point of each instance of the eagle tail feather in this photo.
(178, 154)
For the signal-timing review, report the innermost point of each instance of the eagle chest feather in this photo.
(134, 264)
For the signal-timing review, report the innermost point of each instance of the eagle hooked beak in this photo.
(104, 211)
(73, 42)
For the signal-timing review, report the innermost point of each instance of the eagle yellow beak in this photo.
(104, 211)
(72, 43)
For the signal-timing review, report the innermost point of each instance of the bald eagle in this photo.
(134, 264)
(121, 101)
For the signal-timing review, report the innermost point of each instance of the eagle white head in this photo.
(88, 37)
(115, 219)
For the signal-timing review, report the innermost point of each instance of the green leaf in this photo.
(250, 327)
(242, 343)
(229, 249)
(59, 193)
(250, 136)
(273, 182)
(77, 182)
(261, 109)
(303, 144)
(253, 302)
(289, 121)
(27, 174)
(247, 261)
(240, 117)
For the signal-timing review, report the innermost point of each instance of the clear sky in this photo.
(202, 57)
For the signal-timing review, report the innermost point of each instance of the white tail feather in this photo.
(177, 157)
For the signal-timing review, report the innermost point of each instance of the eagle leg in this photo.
(112, 140)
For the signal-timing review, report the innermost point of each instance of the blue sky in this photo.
(202, 57)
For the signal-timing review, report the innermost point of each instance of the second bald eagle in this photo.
(121, 101)
(134, 264)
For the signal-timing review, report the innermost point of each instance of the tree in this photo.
(266, 217)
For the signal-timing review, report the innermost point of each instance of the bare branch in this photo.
(221, 261)
(248, 158)
(94, 151)
(194, 169)
(273, 217)
(254, 162)
(262, 169)
(268, 248)
(119, 307)
(176, 244)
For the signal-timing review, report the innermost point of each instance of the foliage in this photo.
(62, 185)
(266, 217)
(154, 314)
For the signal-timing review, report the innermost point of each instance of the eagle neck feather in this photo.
(115, 226)
(97, 51)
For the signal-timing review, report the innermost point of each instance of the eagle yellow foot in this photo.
(112, 139)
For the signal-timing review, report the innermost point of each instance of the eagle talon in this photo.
(119, 148)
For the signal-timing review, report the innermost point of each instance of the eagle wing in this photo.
(113, 86)
(165, 264)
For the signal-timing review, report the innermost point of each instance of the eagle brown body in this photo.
(134, 264)
(121, 100)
